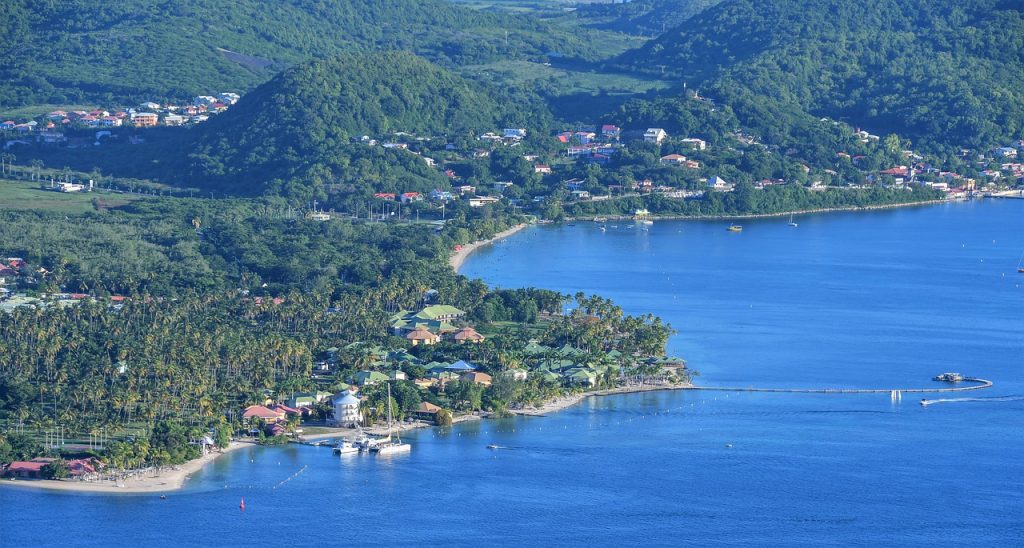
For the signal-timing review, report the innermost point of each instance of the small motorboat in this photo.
(735, 228)
(493, 446)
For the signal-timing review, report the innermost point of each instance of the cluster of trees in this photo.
(748, 200)
(943, 76)
(77, 50)
(640, 17)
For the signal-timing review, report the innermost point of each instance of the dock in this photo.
(979, 384)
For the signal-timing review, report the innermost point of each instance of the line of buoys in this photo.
(291, 477)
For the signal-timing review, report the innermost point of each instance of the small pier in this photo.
(895, 393)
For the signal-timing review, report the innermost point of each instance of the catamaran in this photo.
(387, 446)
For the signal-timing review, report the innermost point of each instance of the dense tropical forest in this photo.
(938, 73)
(74, 51)
(307, 117)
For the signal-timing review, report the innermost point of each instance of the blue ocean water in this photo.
(886, 298)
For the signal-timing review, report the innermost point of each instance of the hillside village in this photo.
(65, 127)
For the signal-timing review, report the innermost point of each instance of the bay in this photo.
(879, 299)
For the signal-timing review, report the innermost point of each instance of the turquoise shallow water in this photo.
(868, 299)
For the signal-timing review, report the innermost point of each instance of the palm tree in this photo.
(5, 161)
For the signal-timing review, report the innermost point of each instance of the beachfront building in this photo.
(346, 409)
(427, 412)
(267, 415)
(31, 469)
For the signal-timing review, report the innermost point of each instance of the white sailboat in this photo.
(791, 223)
(389, 446)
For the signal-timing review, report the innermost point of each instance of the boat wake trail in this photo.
(965, 400)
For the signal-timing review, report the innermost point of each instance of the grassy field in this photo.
(26, 195)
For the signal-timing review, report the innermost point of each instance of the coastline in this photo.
(768, 215)
(459, 257)
(563, 402)
(168, 479)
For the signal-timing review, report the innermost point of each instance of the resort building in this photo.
(346, 409)
(257, 412)
(421, 335)
(467, 335)
(476, 377)
(427, 412)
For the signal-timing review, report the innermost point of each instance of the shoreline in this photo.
(563, 402)
(459, 257)
(839, 209)
(168, 479)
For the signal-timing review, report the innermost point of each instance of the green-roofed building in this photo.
(367, 378)
(584, 377)
(569, 350)
(440, 312)
(534, 349)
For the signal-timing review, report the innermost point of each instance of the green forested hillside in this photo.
(641, 17)
(939, 73)
(298, 126)
(75, 50)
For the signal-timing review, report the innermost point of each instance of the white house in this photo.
(720, 184)
(694, 142)
(481, 201)
(655, 135)
(346, 408)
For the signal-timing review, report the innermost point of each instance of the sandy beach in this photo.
(462, 254)
(330, 433)
(562, 402)
(168, 479)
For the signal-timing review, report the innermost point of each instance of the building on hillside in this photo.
(477, 377)
(421, 335)
(697, 144)
(145, 119)
(397, 375)
(609, 131)
(346, 409)
(481, 201)
(655, 135)
(369, 378)
(467, 335)
(720, 184)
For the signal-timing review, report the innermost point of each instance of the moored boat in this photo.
(735, 228)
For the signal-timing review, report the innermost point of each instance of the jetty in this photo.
(979, 384)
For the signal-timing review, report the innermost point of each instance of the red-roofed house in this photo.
(285, 409)
(81, 467)
(28, 469)
(898, 171)
(259, 412)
